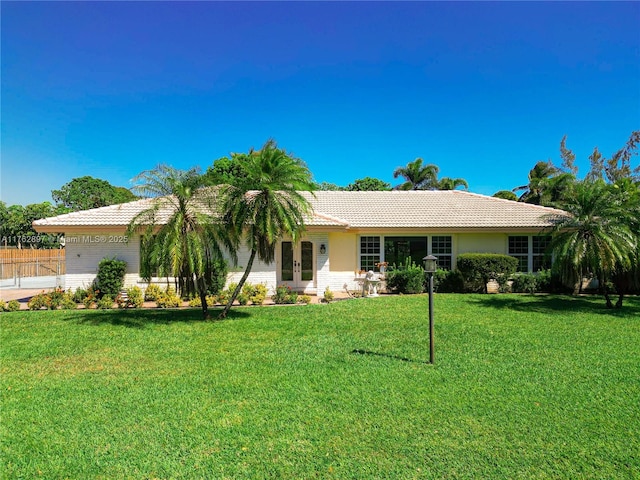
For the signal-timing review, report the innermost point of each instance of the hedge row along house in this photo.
(347, 232)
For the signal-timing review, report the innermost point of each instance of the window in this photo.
(541, 256)
(369, 253)
(519, 248)
(398, 249)
(441, 249)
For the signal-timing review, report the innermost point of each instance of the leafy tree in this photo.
(181, 235)
(16, 224)
(448, 183)
(224, 171)
(87, 192)
(506, 195)
(266, 203)
(417, 176)
(368, 184)
(326, 186)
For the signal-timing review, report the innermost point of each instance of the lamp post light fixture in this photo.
(430, 266)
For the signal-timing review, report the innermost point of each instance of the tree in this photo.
(595, 237)
(506, 195)
(539, 181)
(448, 183)
(368, 184)
(327, 186)
(266, 203)
(16, 224)
(87, 192)
(181, 235)
(417, 176)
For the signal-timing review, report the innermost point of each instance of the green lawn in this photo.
(523, 387)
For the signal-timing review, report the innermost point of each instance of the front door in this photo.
(296, 268)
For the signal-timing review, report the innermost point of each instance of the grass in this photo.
(523, 387)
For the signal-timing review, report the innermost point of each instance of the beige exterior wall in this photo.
(481, 243)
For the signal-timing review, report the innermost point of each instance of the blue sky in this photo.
(483, 90)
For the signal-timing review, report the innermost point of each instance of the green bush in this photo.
(284, 295)
(259, 294)
(110, 277)
(80, 294)
(168, 299)
(524, 283)
(134, 298)
(408, 278)
(105, 303)
(448, 281)
(328, 295)
(37, 302)
(216, 276)
(12, 306)
(478, 268)
(152, 292)
(306, 299)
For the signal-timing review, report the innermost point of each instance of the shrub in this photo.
(37, 302)
(448, 281)
(152, 292)
(328, 295)
(408, 278)
(105, 303)
(306, 299)
(259, 294)
(195, 302)
(12, 306)
(68, 302)
(168, 299)
(89, 301)
(478, 268)
(3, 305)
(134, 298)
(80, 294)
(524, 283)
(284, 295)
(242, 298)
(110, 277)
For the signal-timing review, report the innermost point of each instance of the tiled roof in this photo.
(429, 209)
(394, 209)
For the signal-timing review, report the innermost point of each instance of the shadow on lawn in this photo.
(560, 303)
(141, 318)
(387, 355)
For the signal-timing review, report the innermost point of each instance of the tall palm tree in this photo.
(417, 176)
(266, 203)
(448, 183)
(539, 181)
(181, 236)
(596, 237)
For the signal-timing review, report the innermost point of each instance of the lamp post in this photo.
(430, 266)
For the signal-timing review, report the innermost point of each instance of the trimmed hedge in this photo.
(478, 268)
(110, 278)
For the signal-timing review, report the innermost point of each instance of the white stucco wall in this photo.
(85, 250)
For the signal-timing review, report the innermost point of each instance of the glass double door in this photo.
(296, 268)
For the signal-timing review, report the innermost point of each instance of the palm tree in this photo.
(596, 237)
(266, 203)
(539, 180)
(448, 183)
(417, 176)
(181, 236)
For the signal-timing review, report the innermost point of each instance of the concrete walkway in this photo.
(24, 288)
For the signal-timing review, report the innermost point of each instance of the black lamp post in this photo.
(430, 266)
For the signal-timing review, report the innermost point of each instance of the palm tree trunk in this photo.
(202, 290)
(238, 289)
